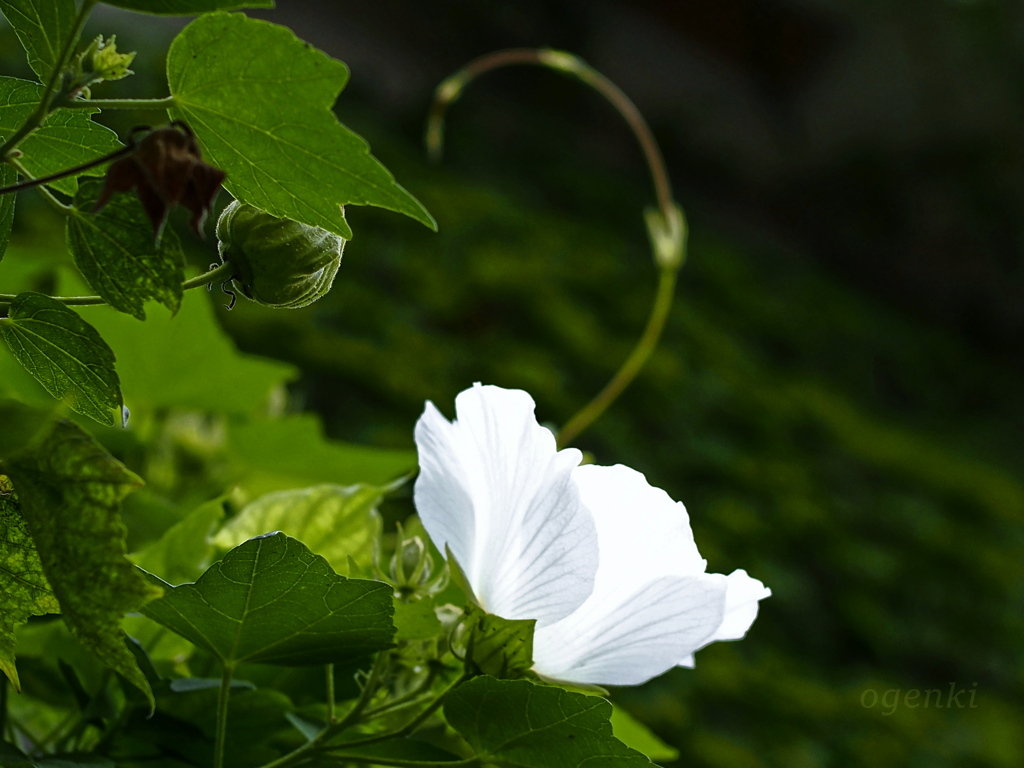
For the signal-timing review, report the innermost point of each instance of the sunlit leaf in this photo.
(334, 521)
(187, 7)
(67, 138)
(271, 600)
(187, 360)
(185, 550)
(43, 27)
(24, 587)
(499, 647)
(70, 489)
(520, 724)
(115, 251)
(290, 452)
(65, 354)
(266, 120)
(638, 736)
(416, 620)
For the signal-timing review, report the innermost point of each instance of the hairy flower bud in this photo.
(278, 262)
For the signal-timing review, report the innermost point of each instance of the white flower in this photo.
(604, 562)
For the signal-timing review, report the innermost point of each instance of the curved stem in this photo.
(590, 413)
(666, 226)
(222, 715)
(221, 271)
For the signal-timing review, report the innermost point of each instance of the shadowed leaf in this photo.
(65, 354)
(522, 725)
(42, 27)
(273, 601)
(67, 138)
(70, 490)
(115, 251)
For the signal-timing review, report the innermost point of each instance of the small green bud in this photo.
(101, 61)
(278, 262)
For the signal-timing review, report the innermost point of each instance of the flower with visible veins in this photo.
(604, 562)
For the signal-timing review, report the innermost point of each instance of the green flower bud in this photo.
(278, 262)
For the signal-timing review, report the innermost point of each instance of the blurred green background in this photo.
(837, 397)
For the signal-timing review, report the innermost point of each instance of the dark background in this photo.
(837, 397)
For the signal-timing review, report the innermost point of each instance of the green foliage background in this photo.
(864, 464)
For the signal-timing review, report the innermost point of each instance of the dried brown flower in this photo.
(167, 169)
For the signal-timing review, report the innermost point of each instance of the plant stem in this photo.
(222, 715)
(330, 692)
(413, 724)
(668, 263)
(221, 271)
(62, 209)
(35, 182)
(164, 103)
(334, 728)
(589, 413)
(38, 117)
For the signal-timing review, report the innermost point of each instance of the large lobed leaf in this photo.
(259, 100)
(273, 601)
(519, 724)
(63, 353)
(115, 251)
(187, 7)
(67, 138)
(70, 490)
(43, 28)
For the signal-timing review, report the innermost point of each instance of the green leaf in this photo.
(115, 252)
(638, 736)
(65, 354)
(521, 724)
(185, 550)
(499, 647)
(24, 587)
(273, 601)
(67, 138)
(7, 177)
(293, 451)
(266, 120)
(187, 7)
(187, 361)
(416, 620)
(334, 521)
(70, 491)
(21, 425)
(43, 27)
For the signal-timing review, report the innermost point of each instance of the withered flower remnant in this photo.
(166, 168)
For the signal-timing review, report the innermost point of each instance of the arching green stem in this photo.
(220, 272)
(666, 225)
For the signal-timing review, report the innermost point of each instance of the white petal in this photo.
(493, 488)
(741, 602)
(642, 533)
(635, 639)
(652, 603)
